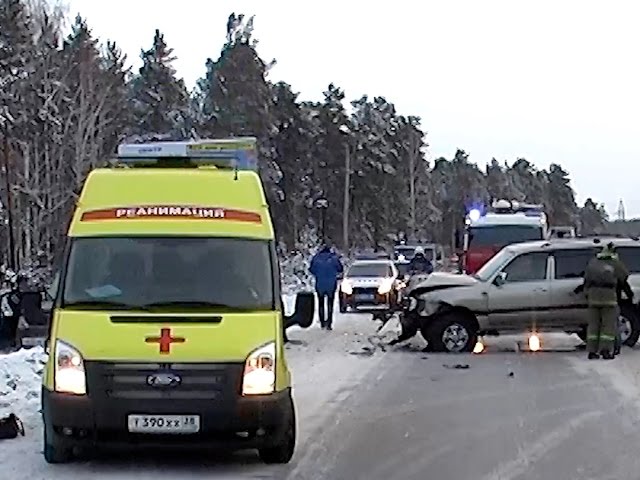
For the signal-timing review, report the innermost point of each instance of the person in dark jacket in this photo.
(419, 263)
(326, 267)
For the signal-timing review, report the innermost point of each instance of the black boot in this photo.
(607, 355)
(593, 356)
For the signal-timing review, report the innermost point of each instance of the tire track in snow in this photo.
(533, 452)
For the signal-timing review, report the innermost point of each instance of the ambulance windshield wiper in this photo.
(196, 304)
(103, 305)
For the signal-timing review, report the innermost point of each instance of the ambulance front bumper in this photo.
(226, 418)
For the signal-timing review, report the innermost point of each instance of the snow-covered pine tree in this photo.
(160, 101)
(236, 99)
(291, 139)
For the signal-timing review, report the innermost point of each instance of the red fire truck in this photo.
(504, 223)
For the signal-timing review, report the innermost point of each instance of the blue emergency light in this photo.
(230, 153)
(475, 212)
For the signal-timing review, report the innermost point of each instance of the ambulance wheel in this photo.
(282, 452)
(453, 332)
(54, 452)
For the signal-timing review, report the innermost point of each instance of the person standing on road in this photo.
(602, 278)
(420, 263)
(326, 267)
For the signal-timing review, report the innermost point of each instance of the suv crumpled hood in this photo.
(438, 281)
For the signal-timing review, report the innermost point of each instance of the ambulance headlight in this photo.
(260, 371)
(346, 287)
(385, 286)
(70, 375)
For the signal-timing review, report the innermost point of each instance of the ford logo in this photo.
(164, 380)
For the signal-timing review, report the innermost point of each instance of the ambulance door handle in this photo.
(540, 290)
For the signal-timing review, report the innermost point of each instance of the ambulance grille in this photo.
(134, 381)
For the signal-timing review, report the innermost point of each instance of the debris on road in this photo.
(457, 366)
(365, 352)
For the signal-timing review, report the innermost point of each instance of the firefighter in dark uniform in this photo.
(603, 278)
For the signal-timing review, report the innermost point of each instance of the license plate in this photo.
(365, 296)
(164, 423)
(33, 342)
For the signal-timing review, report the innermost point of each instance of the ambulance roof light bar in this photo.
(229, 153)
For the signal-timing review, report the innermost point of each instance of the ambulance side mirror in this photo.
(304, 310)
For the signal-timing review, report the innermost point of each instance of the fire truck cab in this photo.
(504, 223)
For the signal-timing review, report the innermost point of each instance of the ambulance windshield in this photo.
(120, 272)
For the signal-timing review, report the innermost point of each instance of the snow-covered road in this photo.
(325, 366)
(369, 414)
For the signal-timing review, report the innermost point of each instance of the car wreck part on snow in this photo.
(10, 427)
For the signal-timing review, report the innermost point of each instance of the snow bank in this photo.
(20, 380)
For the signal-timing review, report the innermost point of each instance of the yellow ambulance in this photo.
(168, 323)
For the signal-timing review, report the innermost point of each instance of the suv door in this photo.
(519, 302)
(569, 309)
(630, 256)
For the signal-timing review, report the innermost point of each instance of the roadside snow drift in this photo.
(20, 383)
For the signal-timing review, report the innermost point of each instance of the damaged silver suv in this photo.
(526, 287)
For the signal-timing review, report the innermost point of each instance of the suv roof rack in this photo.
(230, 153)
(599, 238)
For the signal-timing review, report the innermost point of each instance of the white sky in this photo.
(548, 80)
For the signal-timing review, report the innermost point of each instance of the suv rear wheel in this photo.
(629, 325)
(453, 332)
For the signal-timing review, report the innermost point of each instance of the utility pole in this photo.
(347, 196)
(621, 214)
(12, 251)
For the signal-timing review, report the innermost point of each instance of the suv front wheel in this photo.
(453, 332)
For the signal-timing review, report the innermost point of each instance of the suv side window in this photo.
(572, 263)
(630, 256)
(528, 267)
